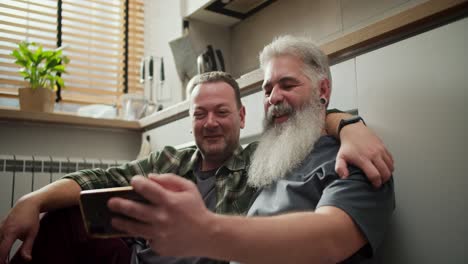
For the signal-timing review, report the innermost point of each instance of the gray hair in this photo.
(316, 65)
(212, 77)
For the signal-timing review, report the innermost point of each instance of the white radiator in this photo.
(20, 175)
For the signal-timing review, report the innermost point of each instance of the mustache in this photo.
(283, 108)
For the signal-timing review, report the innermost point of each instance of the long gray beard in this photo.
(283, 147)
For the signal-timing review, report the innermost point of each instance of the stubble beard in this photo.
(214, 151)
(284, 146)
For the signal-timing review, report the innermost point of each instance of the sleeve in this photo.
(114, 176)
(334, 110)
(370, 208)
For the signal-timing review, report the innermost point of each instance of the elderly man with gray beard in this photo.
(313, 215)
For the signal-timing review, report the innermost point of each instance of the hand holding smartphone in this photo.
(97, 216)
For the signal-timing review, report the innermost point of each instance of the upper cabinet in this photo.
(222, 12)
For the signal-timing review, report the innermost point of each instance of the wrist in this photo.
(211, 238)
(348, 122)
(30, 200)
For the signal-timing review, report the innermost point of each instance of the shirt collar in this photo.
(235, 163)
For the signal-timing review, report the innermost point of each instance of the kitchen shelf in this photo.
(16, 115)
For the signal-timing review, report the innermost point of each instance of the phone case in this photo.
(97, 216)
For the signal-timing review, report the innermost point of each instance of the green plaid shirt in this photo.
(233, 196)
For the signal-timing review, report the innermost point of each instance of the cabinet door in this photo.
(414, 94)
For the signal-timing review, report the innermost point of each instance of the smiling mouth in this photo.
(280, 118)
(213, 136)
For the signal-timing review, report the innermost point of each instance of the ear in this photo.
(325, 89)
(242, 117)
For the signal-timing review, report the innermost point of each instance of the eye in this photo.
(288, 86)
(199, 115)
(222, 112)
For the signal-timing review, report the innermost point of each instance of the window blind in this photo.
(104, 51)
(135, 44)
(34, 21)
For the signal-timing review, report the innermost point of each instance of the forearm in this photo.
(60, 194)
(302, 237)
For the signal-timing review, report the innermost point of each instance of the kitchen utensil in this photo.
(206, 61)
(220, 58)
(150, 105)
(133, 106)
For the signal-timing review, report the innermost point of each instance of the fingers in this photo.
(5, 245)
(26, 247)
(172, 182)
(132, 228)
(372, 173)
(136, 210)
(341, 168)
(150, 189)
(388, 158)
(383, 169)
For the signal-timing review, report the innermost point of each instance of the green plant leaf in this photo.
(26, 53)
(59, 68)
(15, 53)
(51, 63)
(39, 66)
(65, 60)
(21, 62)
(38, 55)
(24, 74)
(60, 82)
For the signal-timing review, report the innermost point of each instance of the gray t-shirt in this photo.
(315, 183)
(206, 185)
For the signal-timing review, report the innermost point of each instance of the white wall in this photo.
(414, 94)
(67, 141)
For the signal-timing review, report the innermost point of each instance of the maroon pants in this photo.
(63, 239)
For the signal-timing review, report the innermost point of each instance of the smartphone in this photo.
(97, 216)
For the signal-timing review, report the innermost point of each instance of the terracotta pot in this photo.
(38, 100)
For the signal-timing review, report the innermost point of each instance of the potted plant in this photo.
(42, 69)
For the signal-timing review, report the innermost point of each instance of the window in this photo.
(103, 48)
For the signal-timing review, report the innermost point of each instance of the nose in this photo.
(211, 121)
(275, 96)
